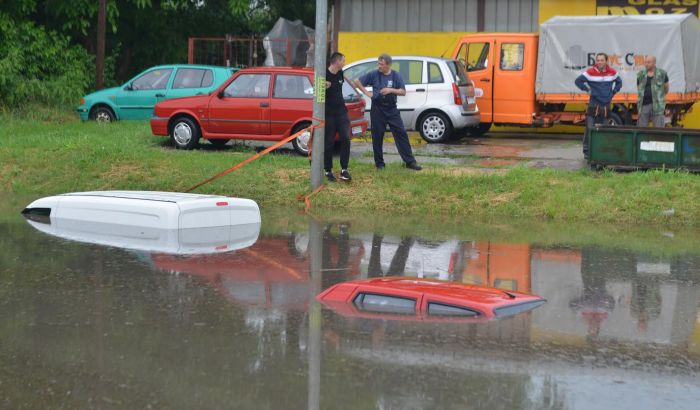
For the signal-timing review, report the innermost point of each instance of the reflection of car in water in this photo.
(424, 299)
(274, 272)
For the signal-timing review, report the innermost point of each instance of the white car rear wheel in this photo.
(435, 127)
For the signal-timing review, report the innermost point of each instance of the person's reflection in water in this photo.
(646, 301)
(595, 304)
(397, 267)
(335, 271)
(375, 256)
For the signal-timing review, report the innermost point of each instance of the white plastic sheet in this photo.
(289, 43)
(568, 45)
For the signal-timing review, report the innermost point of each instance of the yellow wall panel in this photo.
(357, 46)
(551, 8)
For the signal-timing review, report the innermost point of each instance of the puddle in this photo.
(87, 325)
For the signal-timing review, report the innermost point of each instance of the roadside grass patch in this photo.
(43, 158)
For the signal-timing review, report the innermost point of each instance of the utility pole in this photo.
(320, 95)
(100, 57)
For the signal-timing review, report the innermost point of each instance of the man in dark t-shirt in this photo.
(386, 84)
(337, 120)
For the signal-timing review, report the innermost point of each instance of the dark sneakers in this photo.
(330, 176)
(345, 176)
(414, 166)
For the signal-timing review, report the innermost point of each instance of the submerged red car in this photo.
(404, 298)
(262, 103)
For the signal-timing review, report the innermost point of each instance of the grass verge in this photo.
(39, 158)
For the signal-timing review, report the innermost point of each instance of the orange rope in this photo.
(307, 198)
(260, 154)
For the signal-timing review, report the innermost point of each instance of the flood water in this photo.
(91, 326)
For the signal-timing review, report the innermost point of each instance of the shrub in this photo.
(40, 67)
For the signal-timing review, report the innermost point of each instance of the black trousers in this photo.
(595, 114)
(337, 123)
(380, 117)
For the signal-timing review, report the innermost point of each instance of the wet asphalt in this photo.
(496, 150)
(491, 152)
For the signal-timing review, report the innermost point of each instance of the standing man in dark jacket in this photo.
(602, 83)
(386, 86)
(337, 120)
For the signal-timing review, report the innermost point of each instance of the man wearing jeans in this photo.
(387, 84)
(652, 87)
(602, 83)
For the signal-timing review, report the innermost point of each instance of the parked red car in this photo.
(262, 103)
(402, 298)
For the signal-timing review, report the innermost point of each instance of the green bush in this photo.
(40, 67)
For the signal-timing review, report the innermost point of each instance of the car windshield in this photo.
(458, 72)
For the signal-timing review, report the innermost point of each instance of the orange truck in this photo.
(527, 79)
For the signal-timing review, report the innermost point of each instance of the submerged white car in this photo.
(440, 100)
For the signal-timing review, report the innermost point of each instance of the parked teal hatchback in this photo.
(135, 99)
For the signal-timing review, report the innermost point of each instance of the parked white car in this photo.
(440, 100)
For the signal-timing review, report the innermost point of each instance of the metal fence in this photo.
(232, 51)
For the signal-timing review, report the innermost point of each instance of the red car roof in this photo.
(485, 300)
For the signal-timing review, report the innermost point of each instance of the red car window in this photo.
(372, 302)
(439, 309)
(293, 86)
(249, 86)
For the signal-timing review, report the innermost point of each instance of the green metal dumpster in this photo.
(644, 148)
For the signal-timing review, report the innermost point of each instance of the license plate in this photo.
(471, 100)
(356, 130)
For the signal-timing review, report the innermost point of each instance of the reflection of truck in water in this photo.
(528, 79)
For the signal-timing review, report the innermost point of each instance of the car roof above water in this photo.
(146, 195)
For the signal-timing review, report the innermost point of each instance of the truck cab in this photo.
(504, 67)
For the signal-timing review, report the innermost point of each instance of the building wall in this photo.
(357, 46)
(437, 15)
(408, 15)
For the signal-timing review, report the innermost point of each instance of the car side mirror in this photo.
(128, 87)
(220, 94)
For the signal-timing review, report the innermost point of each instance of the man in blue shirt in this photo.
(386, 86)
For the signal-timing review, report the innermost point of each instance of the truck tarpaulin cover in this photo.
(568, 46)
(289, 43)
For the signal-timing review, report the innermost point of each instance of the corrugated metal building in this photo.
(438, 15)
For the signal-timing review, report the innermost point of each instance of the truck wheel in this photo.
(301, 143)
(435, 127)
(102, 114)
(479, 130)
(614, 119)
(184, 133)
